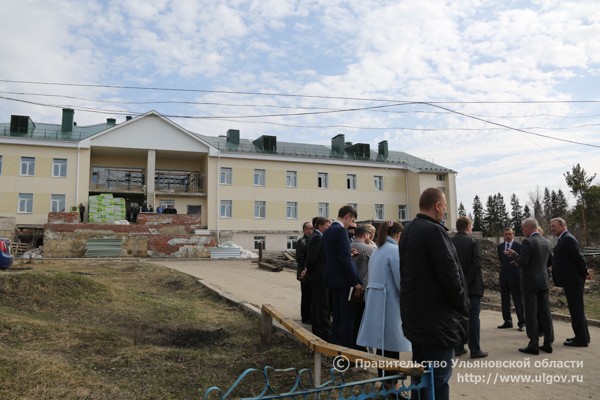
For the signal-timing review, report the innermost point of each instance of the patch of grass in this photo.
(124, 330)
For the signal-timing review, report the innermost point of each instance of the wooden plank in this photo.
(318, 345)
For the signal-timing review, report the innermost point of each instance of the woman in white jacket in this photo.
(381, 326)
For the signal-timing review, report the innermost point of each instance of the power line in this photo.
(292, 95)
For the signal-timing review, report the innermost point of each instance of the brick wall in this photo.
(155, 235)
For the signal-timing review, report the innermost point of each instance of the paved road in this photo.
(578, 369)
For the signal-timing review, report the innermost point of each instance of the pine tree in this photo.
(561, 206)
(477, 215)
(580, 183)
(461, 210)
(526, 212)
(516, 214)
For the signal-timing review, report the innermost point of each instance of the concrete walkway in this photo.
(569, 373)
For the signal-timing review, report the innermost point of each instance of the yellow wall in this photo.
(42, 184)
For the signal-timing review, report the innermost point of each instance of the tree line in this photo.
(583, 220)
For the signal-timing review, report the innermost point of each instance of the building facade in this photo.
(246, 191)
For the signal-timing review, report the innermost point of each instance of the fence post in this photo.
(317, 369)
(266, 321)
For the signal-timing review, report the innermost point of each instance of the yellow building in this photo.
(245, 190)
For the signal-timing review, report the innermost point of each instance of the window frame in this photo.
(260, 209)
(402, 212)
(260, 177)
(321, 207)
(27, 166)
(291, 210)
(351, 181)
(55, 199)
(226, 176)
(25, 199)
(322, 180)
(62, 168)
(226, 205)
(379, 212)
(378, 182)
(291, 179)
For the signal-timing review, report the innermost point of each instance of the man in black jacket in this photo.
(469, 255)
(315, 270)
(570, 272)
(433, 296)
(301, 245)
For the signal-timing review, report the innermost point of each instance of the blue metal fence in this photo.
(335, 388)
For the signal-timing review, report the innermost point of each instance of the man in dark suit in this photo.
(510, 281)
(469, 255)
(341, 275)
(301, 246)
(570, 272)
(534, 260)
(315, 267)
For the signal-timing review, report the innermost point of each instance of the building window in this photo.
(291, 241)
(378, 182)
(260, 209)
(259, 177)
(291, 179)
(226, 208)
(402, 212)
(351, 181)
(28, 166)
(440, 177)
(323, 210)
(354, 205)
(322, 180)
(442, 189)
(58, 203)
(59, 167)
(260, 240)
(25, 202)
(379, 212)
(226, 176)
(292, 210)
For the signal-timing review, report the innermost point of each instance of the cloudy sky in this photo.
(506, 93)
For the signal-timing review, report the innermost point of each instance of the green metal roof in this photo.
(322, 151)
(315, 151)
(54, 132)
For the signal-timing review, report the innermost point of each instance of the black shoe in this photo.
(521, 327)
(530, 350)
(569, 339)
(547, 348)
(459, 352)
(575, 343)
(505, 325)
(481, 354)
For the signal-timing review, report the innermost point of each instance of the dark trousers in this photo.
(360, 310)
(574, 295)
(506, 289)
(441, 375)
(305, 301)
(537, 315)
(342, 324)
(474, 325)
(319, 310)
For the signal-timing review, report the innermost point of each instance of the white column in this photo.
(150, 174)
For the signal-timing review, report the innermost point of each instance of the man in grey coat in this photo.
(534, 260)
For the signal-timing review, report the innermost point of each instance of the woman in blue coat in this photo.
(381, 326)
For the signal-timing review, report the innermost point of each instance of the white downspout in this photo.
(77, 180)
(218, 213)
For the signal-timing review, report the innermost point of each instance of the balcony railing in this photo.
(134, 180)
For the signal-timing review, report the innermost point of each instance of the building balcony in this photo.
(134, 181)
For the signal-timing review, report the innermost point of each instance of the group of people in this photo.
(525, 275)
(422, 289)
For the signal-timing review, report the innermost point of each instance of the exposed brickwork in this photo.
(63, 218)
(155, 235)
